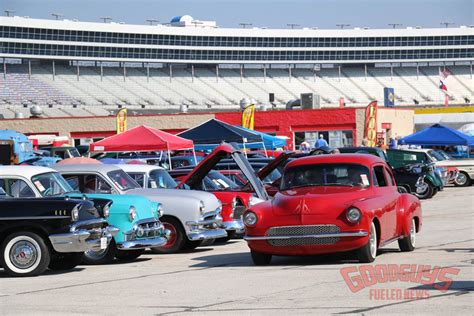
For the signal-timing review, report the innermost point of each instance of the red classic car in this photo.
(234, 200)
(333, 203)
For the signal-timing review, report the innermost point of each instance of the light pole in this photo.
(447, 24)
(341, 26)
(57, 15)
(394, 25)
(292, 25)
(151, 21)
(106, 18)
(245, 24)
(9, 12)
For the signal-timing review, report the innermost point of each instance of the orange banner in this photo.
(370, 130)
(248, 117)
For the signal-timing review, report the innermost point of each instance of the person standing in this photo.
(305, 146)
(321, 142)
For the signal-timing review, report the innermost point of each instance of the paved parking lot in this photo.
(222, 278)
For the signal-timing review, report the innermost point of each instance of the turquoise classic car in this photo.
(136, 217)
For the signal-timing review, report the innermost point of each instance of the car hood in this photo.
(196, 176)
(171, 197)
(316, 200)
(282, 158)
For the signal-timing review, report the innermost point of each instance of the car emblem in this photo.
(302, 208)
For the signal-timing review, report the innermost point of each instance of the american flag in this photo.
(444, 73)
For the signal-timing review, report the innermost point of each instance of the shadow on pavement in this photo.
(3, 274)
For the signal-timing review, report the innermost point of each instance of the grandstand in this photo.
(81, 69)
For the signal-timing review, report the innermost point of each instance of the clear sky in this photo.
(261, 13)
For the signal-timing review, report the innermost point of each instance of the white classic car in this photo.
(190, 216)
(465, 174)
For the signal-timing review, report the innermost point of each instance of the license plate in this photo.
(103, 243)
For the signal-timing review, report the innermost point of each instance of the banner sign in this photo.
(388, 97)
(248, 117)
(370, 130)
(121, 121)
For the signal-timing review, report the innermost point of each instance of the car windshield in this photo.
(442, 154)
(160, 179)
(272, 177)
(122, 180)
(74, 152)
(221, 181)
(326, 175)
(436, 156)
(51, 184)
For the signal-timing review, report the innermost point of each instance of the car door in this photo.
(386, 203)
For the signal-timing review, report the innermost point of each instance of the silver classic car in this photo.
(190, 216)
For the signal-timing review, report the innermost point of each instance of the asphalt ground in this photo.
(221, 279)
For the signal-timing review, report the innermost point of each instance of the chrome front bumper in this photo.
(360, 233)
(209, 226)
(203, 234)
(236, 225)
(81, 240)
(143, 243)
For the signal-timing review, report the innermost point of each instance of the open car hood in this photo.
(282, 158)
(223, 151)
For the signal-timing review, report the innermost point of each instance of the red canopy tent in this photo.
(142, 138)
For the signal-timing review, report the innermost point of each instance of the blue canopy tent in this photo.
(270, 142)
(438, 135)
(213, 132)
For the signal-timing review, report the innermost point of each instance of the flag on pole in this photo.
(248, 117)
(444, 73)
(442, 86)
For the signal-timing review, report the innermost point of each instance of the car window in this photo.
(16, 188)
(138, 177)
(388, 176)
(161, 179)
(379, 177)
(88, 183)
(122, 180)
(51, 184)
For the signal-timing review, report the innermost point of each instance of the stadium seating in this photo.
(91, 93)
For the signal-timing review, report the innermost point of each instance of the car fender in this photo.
(409, 206)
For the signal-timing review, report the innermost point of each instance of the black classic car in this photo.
(413, 177)
(54, 233)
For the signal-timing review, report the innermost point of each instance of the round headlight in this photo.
(132, 213)
(75, 213)
(106, 210)
(159, 211)
(250, 219)
(140, 231)
(353, 215)
(202, 208)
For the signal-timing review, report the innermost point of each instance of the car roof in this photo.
(362, 159)
(86, 168)
(139, 167)
(24, 171)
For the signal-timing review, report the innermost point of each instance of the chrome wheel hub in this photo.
(461, 178)
(93, 254)
(412, 233)
(23, 254)
(373, 241)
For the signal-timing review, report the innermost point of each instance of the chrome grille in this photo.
(239, 211)
(152, 229)
(302, 231)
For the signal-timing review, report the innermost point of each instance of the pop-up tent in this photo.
(270, 142)
(142, 138)
(438, 135)
(213, 132)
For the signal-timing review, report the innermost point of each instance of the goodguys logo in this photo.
(358, 278)
(302, 208)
